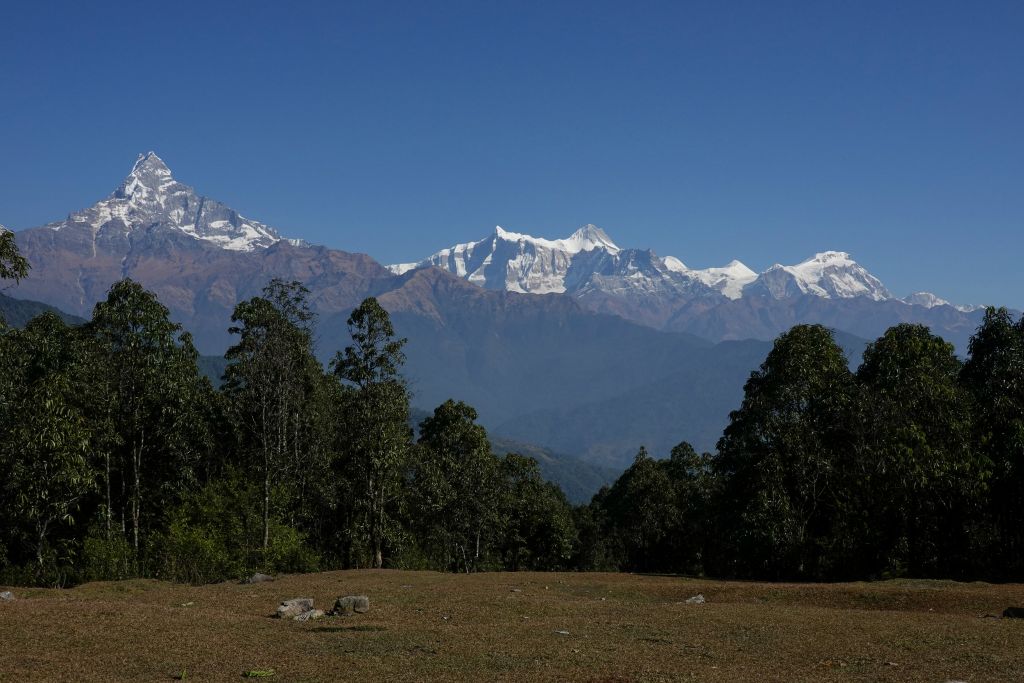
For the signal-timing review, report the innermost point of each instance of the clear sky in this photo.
(763, 131)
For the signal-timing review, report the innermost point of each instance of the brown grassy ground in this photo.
(502, 627)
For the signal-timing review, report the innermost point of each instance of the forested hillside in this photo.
(122, 459)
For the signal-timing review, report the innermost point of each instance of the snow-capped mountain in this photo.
(929, 300)
(150, 198)
(830, 275)
(664, 292)
(521, 263)
(586, 261)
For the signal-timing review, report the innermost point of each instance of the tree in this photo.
(642, 513)
(13, 266)
(922, 482)
(376, 433)
(994, 376)
(536, 528)
(778, 457)
(45, 438)
(272, 381)
(689, 475)
(48, 470)
(157, 405)
(457, 486)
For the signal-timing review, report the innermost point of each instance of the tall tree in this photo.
(778, 457)
(923, 480)
(157, 405)
(642, 514)
(456, 481)
(46, 434)
(994, 375)
(536, 529)
(271, 381)
(376, 434)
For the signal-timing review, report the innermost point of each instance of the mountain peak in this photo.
(831, 257)
(593, 237)
(149, 177)
(150, 163)
(828, 274)
(150, 197)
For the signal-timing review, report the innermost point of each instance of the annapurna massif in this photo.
(152, 219)
(591, 267)
(549, 368)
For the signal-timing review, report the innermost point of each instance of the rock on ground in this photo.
(349, 605)
(6, 596)
(311, 615)
(294, 607)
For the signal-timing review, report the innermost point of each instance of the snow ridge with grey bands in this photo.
(150, 196)
(588, 261)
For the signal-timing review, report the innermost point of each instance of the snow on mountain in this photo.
(586, 261)
(926, 299)
(519, 263)
(150, 196)
(729, 279)
(829, 274)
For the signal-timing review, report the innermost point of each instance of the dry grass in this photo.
(425, 626)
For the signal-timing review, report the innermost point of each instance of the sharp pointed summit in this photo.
(150, 163)
(150, 200)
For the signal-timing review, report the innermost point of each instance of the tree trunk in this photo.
(266, 513)
(137, 493)
(109, 512)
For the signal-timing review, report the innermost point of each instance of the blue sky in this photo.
(763, 131)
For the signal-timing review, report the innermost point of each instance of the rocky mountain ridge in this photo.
(728, 302)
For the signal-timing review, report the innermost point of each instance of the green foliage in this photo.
(923, 479)
(275, 392)
(537, 529)
(455, 479)
(107, 557)
(374, 434)
(121, 459)
(778, 459)
(158, 406)
(652, 518)
(994, 377)
(13, 266)
(216, 533)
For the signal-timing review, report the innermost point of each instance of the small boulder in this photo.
(259, 578)
(6, 596)
(311, 615)
(697, 599)
(349, 605)
(294, 607)
(1013, 613)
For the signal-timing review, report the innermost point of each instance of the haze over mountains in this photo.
(575, 344)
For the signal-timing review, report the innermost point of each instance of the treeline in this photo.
(911, 466)
(120, 459)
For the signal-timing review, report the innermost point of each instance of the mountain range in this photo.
(727, 302)
(577, 345)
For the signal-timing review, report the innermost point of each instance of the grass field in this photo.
(425, 626)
